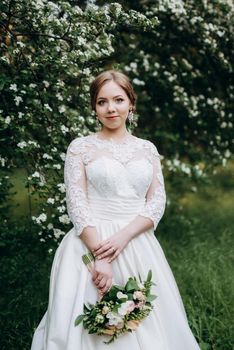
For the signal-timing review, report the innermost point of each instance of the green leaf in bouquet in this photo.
(93, 312)
(130, 296)
(112, 294)
(149, 276)
(131, 285)
(79, 319)
(115, 308)
(92, 330)
(139, 277)
(86, 308)
(150, 298)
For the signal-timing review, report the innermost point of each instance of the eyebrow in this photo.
(104, 98)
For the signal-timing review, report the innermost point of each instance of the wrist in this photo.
(103, 260)
(125, 234)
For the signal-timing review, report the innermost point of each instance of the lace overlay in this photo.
(97, 169)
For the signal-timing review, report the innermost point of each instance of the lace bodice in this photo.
(106, 169)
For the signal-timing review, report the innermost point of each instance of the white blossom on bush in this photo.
(50, 200)
(62, 187)
(22, 144)
(181, 109)
(13, 87)
(64, 219)
(41, 218)
(18, 100)
(8, 119)
(61, 209)
(58, 233)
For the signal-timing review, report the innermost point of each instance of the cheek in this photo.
(124, 107)
(100, 109)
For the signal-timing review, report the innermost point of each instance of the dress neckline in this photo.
(125, 140)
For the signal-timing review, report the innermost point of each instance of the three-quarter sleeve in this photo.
(156, 197)
(76, 189)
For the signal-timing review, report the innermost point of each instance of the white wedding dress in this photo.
(107, 185)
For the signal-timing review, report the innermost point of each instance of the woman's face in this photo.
(112, 106)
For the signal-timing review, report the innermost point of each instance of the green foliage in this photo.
(177, 54)
(25, 270)
(179, 57)
(183, 74)
(198, 246)
(50, 52)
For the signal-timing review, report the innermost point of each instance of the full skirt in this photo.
(166, 328)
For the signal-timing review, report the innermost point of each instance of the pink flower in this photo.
(126, 308)
(140, 304)
(138, 295)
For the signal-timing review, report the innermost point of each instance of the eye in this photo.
(101, 102)
(119, 99)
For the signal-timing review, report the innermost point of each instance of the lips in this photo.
(112, 117)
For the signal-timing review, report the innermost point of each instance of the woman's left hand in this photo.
(111, 247)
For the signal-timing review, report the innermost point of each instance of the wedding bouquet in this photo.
(120, 310)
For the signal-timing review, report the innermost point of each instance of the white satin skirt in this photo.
(166, 328)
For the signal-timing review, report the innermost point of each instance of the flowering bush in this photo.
(50, 52)
(177, 53)
(120, 310)
(183, 72)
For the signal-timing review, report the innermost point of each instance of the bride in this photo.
(115, 199)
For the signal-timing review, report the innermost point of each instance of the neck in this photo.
(114, 134)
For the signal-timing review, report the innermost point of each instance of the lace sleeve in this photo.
(76, 190)
(156, 197)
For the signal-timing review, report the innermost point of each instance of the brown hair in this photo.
(119, 78)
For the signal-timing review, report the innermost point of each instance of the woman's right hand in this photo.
(102, 275)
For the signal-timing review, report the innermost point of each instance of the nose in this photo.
(111, 106)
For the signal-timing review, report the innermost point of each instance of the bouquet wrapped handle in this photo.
(88, 259)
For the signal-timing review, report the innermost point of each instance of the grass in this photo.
(198, 243)
(199, 248)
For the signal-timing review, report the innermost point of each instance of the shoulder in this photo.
(79, 144)
(149, 146)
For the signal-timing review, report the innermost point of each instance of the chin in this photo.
(112, 127)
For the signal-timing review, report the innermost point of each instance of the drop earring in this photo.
(130, 117)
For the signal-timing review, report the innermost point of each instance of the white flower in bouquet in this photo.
(105, 310)
(120, 310)
(126, 308)
(121, 295)
(138, 295)
(99, 319)
(114, 319)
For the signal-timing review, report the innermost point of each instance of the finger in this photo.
(98, 280)
(114, 256)
(95, 275)
(101, 250)
(102, 284)
(107, 286)
(108, 252)
(100, 245)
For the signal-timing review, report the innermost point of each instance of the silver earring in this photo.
(130, 117)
